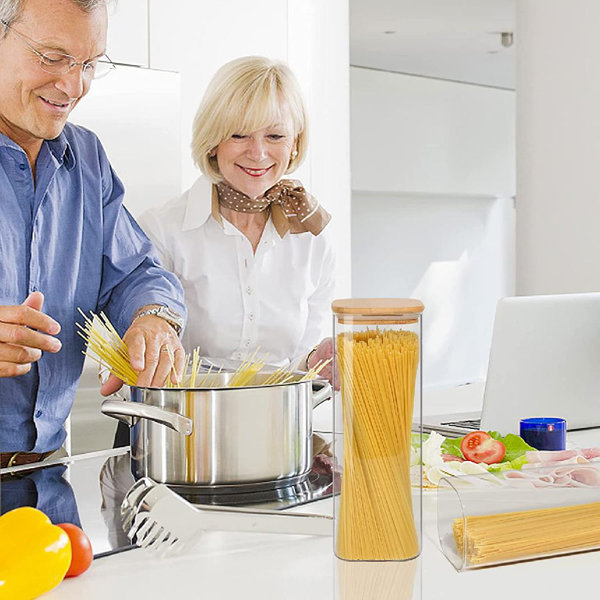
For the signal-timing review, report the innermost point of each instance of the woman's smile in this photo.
(255, 172)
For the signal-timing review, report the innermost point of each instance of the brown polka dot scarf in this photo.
(293, 209)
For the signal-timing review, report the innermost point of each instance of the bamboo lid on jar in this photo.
(372, 310)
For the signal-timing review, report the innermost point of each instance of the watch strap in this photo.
(175, 321)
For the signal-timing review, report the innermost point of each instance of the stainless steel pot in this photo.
(221, 437)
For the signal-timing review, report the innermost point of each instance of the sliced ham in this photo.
(574, 460)
(542, 457)
(549, 456)
(452, 458)
(564, 475)
(520, 478)
(588, 475)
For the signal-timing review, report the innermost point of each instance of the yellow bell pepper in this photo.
(34, 554)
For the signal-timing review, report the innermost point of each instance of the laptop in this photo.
(544, 362)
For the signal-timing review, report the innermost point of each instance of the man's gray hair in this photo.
(10, 10)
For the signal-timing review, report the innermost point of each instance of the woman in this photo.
(250, 247)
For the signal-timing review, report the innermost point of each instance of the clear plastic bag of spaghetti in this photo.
(377, 359)
(512, 516)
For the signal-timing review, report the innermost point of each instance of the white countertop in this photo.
(269, 566)
(259, 566)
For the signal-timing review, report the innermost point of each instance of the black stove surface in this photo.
(314, 486)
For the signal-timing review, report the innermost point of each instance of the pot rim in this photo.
(320, 380)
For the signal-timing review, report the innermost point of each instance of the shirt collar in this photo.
(198, 204)
(59, 147)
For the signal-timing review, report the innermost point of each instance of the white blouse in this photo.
(278, 300)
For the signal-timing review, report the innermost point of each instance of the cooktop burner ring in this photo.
(238, 488)
(309, 487)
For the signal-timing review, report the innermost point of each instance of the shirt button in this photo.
(38, 414)
(247, 343)
(249, 290)
(22, 166)
(250, 316)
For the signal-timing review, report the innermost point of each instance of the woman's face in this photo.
(254, 162)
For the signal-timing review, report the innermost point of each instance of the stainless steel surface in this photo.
(243, 435)
(165, 522)
(127, 412)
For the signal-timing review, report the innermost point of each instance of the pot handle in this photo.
(125, 411)
(118, 396)
(323, 394)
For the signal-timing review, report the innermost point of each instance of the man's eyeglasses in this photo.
(58, 63)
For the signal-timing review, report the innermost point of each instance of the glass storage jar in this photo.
(377, 428)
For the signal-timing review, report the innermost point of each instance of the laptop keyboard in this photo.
(473, 424)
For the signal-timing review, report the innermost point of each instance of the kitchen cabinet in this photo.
(202, 35)
(135, 113)
(426, 136)
(128, 32)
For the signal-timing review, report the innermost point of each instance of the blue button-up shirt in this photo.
(69, 236)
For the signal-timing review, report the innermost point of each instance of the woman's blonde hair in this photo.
(245, 95)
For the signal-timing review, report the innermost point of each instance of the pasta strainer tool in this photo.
(157, 518)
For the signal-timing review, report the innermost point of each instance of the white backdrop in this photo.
(432, 212)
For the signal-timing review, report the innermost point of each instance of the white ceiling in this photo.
(449, 39)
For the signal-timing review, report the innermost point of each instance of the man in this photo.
(66, 241)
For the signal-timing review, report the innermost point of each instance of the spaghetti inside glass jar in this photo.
(377, 354)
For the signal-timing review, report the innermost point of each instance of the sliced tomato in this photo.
(481, 447)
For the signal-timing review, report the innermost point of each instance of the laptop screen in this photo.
(544, 362)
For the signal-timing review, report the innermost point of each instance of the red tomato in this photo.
(480, 447)
(81, 550)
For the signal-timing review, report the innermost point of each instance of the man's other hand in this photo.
(25, 332)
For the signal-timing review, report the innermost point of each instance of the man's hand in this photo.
(152, 344)
(25, 332)
(324, 352)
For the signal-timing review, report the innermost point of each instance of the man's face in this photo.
(34, 104)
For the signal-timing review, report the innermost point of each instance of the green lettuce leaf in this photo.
(515, 450)
(515, 445)
(452, 446)
(509, 465)
(415, 439)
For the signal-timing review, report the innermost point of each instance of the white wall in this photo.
(558, 146)
(432, 212)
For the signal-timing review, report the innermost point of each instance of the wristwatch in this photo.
(164, 312)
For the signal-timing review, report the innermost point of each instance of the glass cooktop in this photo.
(87, 490)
